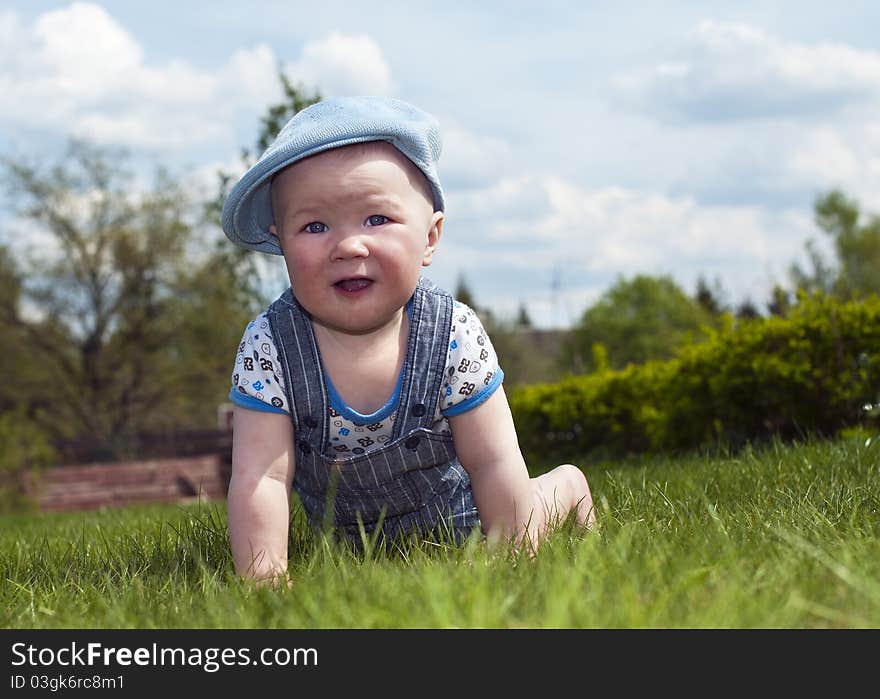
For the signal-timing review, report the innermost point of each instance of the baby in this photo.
(366, 388)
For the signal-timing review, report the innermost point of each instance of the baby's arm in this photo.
(259, 493)
(487, 447)
(510, 504)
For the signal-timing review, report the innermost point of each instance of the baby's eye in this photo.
(377, 220)
(315, 227)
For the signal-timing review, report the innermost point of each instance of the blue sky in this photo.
(583, 140)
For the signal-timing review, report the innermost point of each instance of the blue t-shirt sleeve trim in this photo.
(476, 399)
(252, 403)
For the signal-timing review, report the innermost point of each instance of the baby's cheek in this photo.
(303, 268)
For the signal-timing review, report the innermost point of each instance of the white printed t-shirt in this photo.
(472, 374)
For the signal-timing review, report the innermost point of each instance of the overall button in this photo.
(310, 421)
(412, 442)
(418, 409)
(304, 447)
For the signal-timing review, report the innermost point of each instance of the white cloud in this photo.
(77, 71)
(533, 227)
(252, 74)
(343, 65)
(724, 71)
(824, 156)
(469, 159)
(872, 144)
(617, 228)
(85, 51)
(786, 164)
(774, 165)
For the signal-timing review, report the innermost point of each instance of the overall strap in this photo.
(425, 360)
(298, 352)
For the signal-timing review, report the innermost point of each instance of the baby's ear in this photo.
(273, 230)
(433, 237)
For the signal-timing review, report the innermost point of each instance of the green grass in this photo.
(783, 536)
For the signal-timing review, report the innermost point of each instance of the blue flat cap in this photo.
(332, 123)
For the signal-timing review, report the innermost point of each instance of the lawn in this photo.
(777, 536)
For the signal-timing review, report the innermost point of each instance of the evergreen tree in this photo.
(463, 292)
(710, 298)
(523, 320)
(747, 310)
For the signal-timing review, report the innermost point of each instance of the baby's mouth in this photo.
(354, 284)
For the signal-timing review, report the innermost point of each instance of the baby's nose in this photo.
(351, 245)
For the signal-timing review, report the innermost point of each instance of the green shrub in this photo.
(812, 373)
(23, 446)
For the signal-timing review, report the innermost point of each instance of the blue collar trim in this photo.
(352, 415)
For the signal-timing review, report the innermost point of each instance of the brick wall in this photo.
(89, 486)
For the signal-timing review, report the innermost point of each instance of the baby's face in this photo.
(356, 225)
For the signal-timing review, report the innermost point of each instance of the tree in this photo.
(277, 115)
(780, 302)
(856, 271)
(710, 297)
(20, 375)
(127, 316)
(747, 310)
(119, 281)
(526, 355)
(857, 245)
(23, 447)
(212, 308)
(463, 292)
(636, 320)
(820, 278)
(523, 319)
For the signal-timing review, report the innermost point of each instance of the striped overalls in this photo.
(414, 481)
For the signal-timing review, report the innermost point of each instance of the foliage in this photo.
(526, 354)
(811, 373)
(747, 310)
(126, 318)
(637, 320)
(23, 447)
(523, 319)
(112, 306)
(101, 281)
(780, 302)
(464, 294)
(711, 298)
(20, 375)
(211, 309)
(277, 115)
(856, 246)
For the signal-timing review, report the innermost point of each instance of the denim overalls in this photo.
(414, 481)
